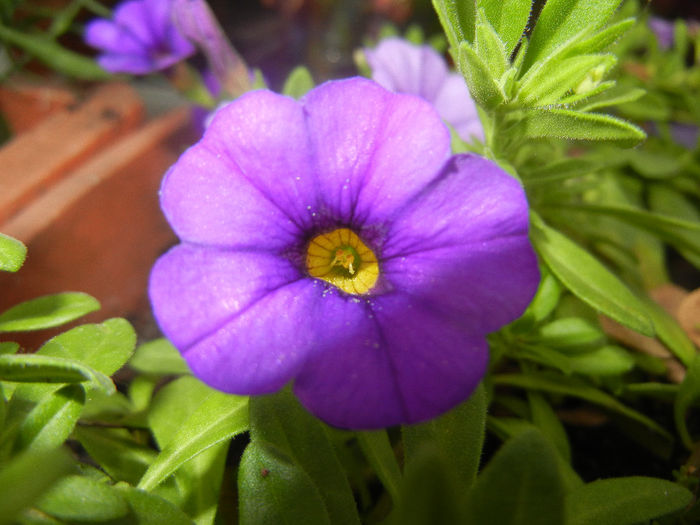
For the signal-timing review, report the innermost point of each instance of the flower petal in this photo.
(237, 317)
(456, 106)
(108, 36)
(373, 149)
(463, 247)
(402, 363)
(243, 185)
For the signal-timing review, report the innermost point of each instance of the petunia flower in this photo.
(403, 67)
(333, 242)
(140, 39)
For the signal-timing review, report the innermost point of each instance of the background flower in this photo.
(140, 39)
(404, 67)
(271, 177)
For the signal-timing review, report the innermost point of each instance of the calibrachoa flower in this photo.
(403, 67)
(334, 242)
(140, 39)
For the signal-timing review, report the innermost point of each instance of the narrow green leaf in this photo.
(41, 369)
(457, 18)
(587, 278)
(298, 83)
(570, 334)
(624, 501)
(607, 360)
(491, 48)
(570, 386)
(612, 97)
(482, 86)
(116, 452)
(601, 40)
(50, 422)
(548, 84)
(688, 393)
(26, 477)
(576, 125)
(281, 421)
(670, 332)
(508, 18)
(546, 298)
(104, 347)
(78, 498)
(47, 312)
(667, 201)
(458, 435)
(217, 419)
(273, 489)
(521, 485)
(560, 20)
(158, 357)
(9, 347)
(54, 55)
(544, 417)
(377, 449)
(149, 509)
(12, 253)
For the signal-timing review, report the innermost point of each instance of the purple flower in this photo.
(663, 30)
(334, 242)
(403, 67)
(141, 38)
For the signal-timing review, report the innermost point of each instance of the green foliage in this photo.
(47, 312)
(158, 357)
(12, 253)
(298, 82)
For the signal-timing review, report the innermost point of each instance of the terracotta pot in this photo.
(79, 185)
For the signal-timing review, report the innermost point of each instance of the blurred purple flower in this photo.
(333, 241)
(663, 30)
(403, 67)
(140, 39)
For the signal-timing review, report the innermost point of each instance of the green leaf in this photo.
(50, 422)
(281, 421)
(508, 18)
(521, 485)
(546, 298)
(377, 449)
(457, 18)
(482, 86)
(546, 85)
(561, 20)
(217, 419)
(12, 253)
(576, 125)
(588, 279)
(608, 360)
(601, 40)
(273, 489)
(78, 498)
(457, 434)
(670, 332)
(570, 334)
(26, 477)
(47, 312)
(557, 384)
(41, 369)
(149, 509)
(298, 83)
(611, 97)
(104, 347)
(430, 492)
(688, 393)
(199, 480)
(54, 55)
(491, 48)
(544, 417)
(624, 501)
(158, 357)
(116, 452)
(672, 203)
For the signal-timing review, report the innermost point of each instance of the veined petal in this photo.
(401, 363)
(262, 136)
(135, 17)
(237, 317)
(462, 246)
(373, 149)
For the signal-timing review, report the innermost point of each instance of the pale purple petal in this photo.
(400, 363)
(462, 247)
(456, 106)
(237, 317)
(373, 149)
(663, 30)
(108, 36)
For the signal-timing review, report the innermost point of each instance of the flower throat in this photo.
(342, 259)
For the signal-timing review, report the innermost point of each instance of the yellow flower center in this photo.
(342, 259)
